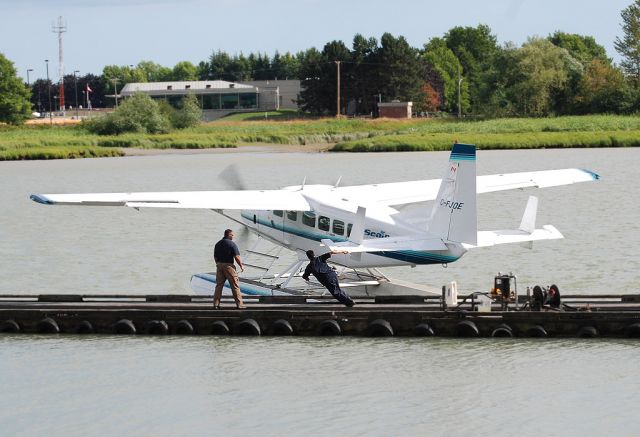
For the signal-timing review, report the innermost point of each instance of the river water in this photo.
(186, 386)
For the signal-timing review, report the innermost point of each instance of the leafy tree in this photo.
(475, 48)
(184, 71)
(583, 48)
(442, 62)
(152, 72)
(188, 113)
(139, 113)
(115, 77)
(629, 45)
(542, 69)
(15, 107)
(431, 100)
(602, 89)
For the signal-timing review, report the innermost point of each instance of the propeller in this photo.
(234, 180)
(231, 175)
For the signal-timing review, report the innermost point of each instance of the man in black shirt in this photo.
(326, 275)
(225, 253)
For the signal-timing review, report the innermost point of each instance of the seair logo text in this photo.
(451, 205)
(381, 234)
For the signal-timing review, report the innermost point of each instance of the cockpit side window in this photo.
(278, 212)
(292, 215)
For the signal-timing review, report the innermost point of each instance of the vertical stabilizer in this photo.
(454, 215)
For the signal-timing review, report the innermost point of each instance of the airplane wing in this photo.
(245, 199)
(402, 193)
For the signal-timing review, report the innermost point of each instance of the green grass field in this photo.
(352, 135)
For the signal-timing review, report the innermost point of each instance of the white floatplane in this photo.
(370, 223)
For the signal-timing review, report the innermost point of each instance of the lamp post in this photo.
(338, 89)
(460, 79)
(49, 92)
(115, 89)
(75, 85)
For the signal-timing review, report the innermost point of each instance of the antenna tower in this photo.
(60, 28)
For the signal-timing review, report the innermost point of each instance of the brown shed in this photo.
(395, 109)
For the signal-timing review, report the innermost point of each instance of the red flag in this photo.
(89, 90)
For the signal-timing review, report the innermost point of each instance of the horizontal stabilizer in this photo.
(389, 244)
(492, 238)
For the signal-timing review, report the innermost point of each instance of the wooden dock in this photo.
(580, 316)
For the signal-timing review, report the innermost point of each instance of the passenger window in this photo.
(349, 226)
(278, 212)
(292, 215)
(309, 218)
(338, 227)
(324, 223)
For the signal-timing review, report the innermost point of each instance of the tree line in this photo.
(465, 71)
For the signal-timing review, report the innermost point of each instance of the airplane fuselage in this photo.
(333, 218)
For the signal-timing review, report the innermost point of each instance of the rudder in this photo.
(454, 213)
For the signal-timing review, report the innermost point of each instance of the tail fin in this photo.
(454, 215)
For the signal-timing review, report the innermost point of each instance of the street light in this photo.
(49, 92)
(75, 85)
(115, 89)
(460, 79)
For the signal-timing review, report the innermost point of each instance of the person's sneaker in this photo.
(350, 303)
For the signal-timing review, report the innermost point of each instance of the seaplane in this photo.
(376, 225)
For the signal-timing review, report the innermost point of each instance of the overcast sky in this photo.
(124, 32)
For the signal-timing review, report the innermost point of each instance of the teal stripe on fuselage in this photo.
(409, 256)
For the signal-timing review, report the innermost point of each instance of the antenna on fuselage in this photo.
(337, 182)
(303, 182)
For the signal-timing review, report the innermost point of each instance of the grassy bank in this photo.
(355, 135)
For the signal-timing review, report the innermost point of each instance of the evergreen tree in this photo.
(15, 107)
(629, 45)
(401, 71)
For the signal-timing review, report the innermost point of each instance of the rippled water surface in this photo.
(188, 386)
(272, 386)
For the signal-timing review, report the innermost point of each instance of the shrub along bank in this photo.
(354, 135)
